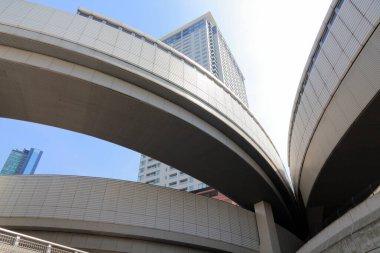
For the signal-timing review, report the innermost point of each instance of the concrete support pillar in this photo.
(267, 228)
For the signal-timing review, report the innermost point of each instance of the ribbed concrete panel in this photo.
(340, 32)
(115, 202)
(350, 16)
(331, 49)
(180, 79)
(372, 13)
(340, 91)
(331, 83)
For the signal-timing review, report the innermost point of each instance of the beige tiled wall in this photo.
(119, 202)
(155, 58)
(321, 100)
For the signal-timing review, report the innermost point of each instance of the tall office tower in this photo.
(155, 172)
(21, 162)
(202, 41)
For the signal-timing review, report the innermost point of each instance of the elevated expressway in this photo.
(334, 137)
(93, 75)
(107, 215)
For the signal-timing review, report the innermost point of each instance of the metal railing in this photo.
(11, 241)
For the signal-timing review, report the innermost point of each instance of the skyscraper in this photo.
(21, 162)
(202, 41)
(155, 172)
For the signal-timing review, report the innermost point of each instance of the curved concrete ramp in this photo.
(112, 82)
(334, 134)
(121, 212)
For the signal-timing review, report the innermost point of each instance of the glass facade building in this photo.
(155, 172)
(21, 162)
(202, 41)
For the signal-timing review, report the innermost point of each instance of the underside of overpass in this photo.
(120, 93)
(51, 98)
(75, 77)
(351, 173)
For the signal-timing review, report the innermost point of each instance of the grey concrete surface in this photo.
(332, 132)
(117, 208)
(289, 243)
(267, 228)
(85, 76)
(358, 230)
(366, 240)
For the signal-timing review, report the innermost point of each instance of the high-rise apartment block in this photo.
(201, 41)
(155, 172)
(21, 162)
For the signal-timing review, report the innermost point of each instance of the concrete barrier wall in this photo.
(358, 230)
(314, 128)
(146, 53)
(366, 240)
(107, 68)
(125, 209)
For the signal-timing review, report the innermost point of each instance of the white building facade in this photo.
(201, 41)
(155, 172)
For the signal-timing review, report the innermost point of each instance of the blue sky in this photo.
(67, 152)
(71, 153)
(266, 37)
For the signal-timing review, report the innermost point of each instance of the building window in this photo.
(191, 188)
(172, 175)
(141, 170)
(183, 181)
(153, 166)
(173, 184)
(153, 181)
(155, 173)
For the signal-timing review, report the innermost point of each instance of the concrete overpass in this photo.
(107, 215)
(334, 138)
(96, 76)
